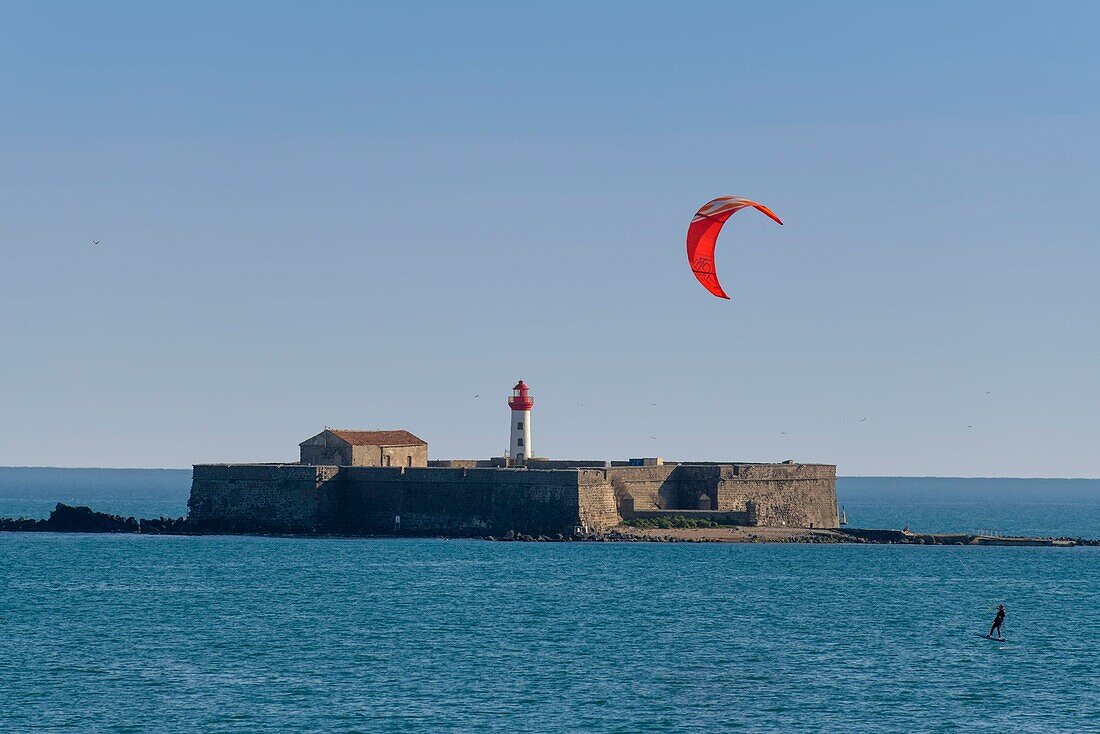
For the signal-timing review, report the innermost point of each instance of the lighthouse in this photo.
(519, 446)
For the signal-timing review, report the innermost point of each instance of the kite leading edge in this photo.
(703, 234)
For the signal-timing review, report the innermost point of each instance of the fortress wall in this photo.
(669, 486)
(779, 471)
(566, 464)
(697, 486)
(804, 499)
(543, 502)
(464, 501)
(484, 501)
(497, 462)
(647, 486)
(367, 501)
(597, 507)
(792, 494)
(259, 497)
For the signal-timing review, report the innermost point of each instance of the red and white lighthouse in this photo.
(519, 446)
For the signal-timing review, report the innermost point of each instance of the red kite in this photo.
(703, 233)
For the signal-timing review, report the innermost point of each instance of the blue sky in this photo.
(363, 215)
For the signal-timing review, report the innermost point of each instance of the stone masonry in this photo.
(464, 500)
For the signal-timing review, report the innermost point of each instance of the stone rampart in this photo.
(288, 498)
(384, 500)
(498, 462)
(596, 502)
(536, 463)
(795, 495)
(667, 487)
(463, 500)
(798, 495)
(644, 488)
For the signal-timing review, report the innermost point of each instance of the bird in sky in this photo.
(654, 438)
(988, 392)
(782, 433)
(476, 395)
(95, 242)
(653, 403)
(862, 420)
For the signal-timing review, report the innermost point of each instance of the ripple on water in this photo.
(130, 633)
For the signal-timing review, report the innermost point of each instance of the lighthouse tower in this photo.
(519, 446)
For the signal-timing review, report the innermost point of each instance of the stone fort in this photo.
(381, 482)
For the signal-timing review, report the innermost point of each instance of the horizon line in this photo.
(838, 476)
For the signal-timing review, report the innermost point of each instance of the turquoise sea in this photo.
(241, 634)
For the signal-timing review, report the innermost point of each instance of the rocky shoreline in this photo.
(873, 536)
(69, 519)
(80, 519)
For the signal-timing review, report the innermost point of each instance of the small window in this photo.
(519, 426)
(519, 442)
(410, 461)
(386, 460)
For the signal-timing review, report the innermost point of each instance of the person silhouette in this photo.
(997, 621)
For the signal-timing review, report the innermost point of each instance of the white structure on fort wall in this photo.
(519, 445)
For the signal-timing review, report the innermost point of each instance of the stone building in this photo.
(337, 447)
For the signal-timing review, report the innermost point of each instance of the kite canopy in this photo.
(703, 233)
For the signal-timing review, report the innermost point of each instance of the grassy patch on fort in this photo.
(669, 523)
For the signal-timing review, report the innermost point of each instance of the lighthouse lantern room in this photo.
(519, 446)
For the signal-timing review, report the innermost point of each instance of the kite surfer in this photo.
(997, 621)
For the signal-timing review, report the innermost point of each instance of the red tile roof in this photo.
(378, 438)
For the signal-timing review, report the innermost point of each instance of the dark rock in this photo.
(66, 519)
(161, 525)
(21, 525)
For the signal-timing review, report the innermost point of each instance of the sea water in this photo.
(131, 633)
(1061, 507)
